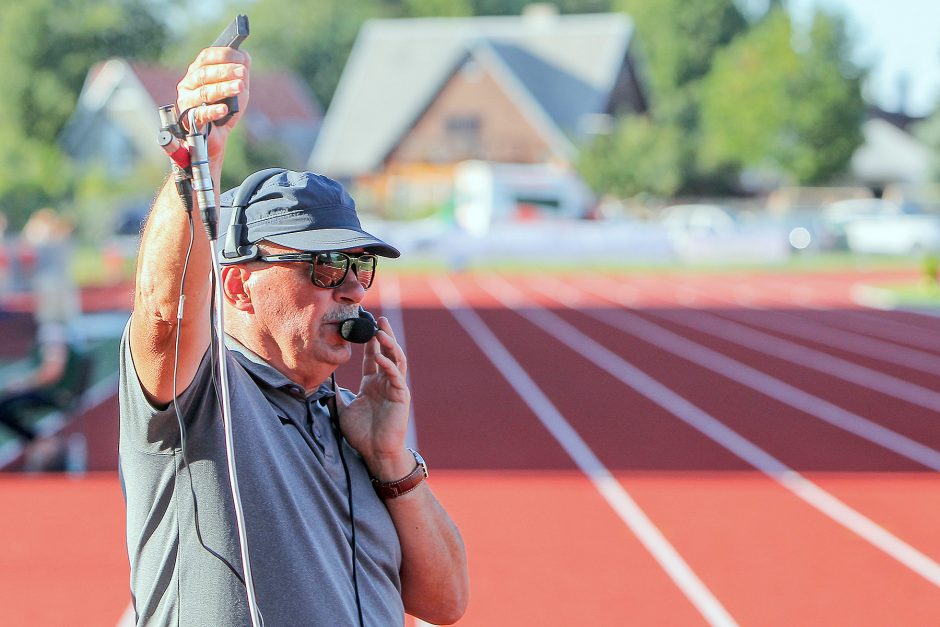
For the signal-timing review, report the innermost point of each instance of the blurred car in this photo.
(804, 230)
(711, 233)
(901, 234)
(835, 217)
(697, 220)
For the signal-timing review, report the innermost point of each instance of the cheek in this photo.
(287, 303)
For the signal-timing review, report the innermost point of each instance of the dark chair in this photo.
(20, 412)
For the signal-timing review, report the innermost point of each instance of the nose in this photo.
(351, 290)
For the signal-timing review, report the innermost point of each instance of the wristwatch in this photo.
(393, 489)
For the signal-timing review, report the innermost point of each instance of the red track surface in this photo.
(545, 546)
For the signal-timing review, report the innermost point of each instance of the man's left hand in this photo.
(376, 421)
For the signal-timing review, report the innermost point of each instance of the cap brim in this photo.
(334, 239)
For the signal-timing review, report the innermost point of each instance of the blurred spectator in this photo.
(59, 370)
(59, 373)
(49, 237)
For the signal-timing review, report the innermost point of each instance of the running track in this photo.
(621, 450)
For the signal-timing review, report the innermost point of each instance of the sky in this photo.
(898, 40)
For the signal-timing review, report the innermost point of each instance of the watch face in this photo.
(421, 462)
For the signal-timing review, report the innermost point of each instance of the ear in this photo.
(235, 287)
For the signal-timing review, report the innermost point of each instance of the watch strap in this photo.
(393, 489)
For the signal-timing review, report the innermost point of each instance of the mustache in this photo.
(342, 314)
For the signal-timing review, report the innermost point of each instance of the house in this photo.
(890, 153)
(419, 97)
(115, 120)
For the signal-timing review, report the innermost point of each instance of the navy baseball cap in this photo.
(300, 210)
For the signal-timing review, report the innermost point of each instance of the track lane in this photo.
(850, 556)
(916, 421)
(678, 340)
(902, 362)
(62, 555)
(530, 519)
(877, 324)
(833, 455)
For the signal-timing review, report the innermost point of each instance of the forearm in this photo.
(155, 322)
(434, 578)
(163, 250)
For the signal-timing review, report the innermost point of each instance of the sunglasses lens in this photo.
(329, 269)
(365, 269)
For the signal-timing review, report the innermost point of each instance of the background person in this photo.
(282, 316)
(59, 368)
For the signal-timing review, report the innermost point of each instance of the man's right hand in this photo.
(216, 74)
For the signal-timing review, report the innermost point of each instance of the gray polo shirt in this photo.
(294, 494)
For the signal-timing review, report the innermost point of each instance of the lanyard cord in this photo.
(256, 618)
(334, 420)
(179, 416)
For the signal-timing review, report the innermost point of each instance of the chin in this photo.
(338, 350)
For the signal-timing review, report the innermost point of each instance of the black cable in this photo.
(334, 419)
(179, 415)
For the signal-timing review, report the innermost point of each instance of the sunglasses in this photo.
(329, 269)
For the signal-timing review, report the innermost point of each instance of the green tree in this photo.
(436, 8)
(515, 7)
(46, 50)
(678, 38)
(675, 44)
(48, 46)
(313, 39)
(639, 156)
(770, 106)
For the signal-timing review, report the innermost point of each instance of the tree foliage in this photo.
(675, 44)
(639, 156)
(678, 39)
(313, 39)
(725, 94)
(46, 50)
(745, 96)
(769, 106)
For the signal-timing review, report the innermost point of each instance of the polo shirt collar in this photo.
(262, 371)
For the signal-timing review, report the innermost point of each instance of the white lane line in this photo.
(829, 334)
(843, 340)
(390, 301)
(721, 434)
(880, 325)
(759, 381)
(611, 489)
(808, 358)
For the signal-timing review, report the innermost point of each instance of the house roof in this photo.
(277, 97)
(125, 94)
(890, 155)
(560, 67)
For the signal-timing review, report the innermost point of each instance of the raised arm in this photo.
(215, 74)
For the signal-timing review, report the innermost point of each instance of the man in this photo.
(282, 316)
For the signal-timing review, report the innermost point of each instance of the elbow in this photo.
(456, 608)
(448, 608)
